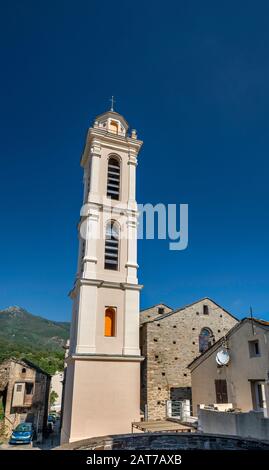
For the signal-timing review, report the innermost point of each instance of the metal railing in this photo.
(179, 409)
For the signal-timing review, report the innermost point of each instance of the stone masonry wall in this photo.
(37, 411)
(169, 343)
(145, 316)
(153, 312)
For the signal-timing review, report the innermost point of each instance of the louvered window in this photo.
(113, 178)
(112, 246)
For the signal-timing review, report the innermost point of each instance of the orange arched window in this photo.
(110, 319)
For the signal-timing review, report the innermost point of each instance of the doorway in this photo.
(258, 396)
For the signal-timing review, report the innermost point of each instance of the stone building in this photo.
(24, 392)
(243, 382)
(170, 340)
(57, 387)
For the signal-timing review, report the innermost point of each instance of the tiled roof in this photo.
(260, 322)
(24, 362)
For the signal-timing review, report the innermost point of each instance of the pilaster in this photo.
(86, 325)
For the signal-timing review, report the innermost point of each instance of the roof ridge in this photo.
(190, 305)
(155, 305)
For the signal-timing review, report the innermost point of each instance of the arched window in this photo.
(114, 127)
(110, 320)
(112, 246)
(206, 339)
(113, 178)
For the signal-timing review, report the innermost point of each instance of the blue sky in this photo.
(192, 78)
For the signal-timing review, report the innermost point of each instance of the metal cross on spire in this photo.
(113, 101)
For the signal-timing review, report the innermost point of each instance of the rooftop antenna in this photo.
(113, 101)
(251, 316)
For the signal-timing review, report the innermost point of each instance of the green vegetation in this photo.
(3, 428)
(41, 341)
(2, 414)
(53, 397)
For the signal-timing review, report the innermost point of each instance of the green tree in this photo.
(53, 398)
(2, 414)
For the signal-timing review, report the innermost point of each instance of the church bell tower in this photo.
(102, 384)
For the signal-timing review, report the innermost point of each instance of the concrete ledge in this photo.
(104, 357)
(248, 425)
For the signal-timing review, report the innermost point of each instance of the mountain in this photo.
(38, 339)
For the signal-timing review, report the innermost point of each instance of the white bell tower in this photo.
(102, 385)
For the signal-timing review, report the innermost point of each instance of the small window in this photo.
(205, 310)
(110, 320)
(23, 371)
(19, 388)
(161, 310)
(29, 387)
(114, 127)
(254, 348)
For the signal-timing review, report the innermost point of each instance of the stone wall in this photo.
(4, 375)
(173, 441)
(37, 408)
(169, 343)
(153, 312)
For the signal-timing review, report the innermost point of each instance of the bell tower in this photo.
(102, 384)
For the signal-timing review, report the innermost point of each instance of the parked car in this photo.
(22, 434)
(51, 418)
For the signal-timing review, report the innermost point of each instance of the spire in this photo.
(113, 101)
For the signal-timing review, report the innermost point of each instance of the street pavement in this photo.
(48, 443)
